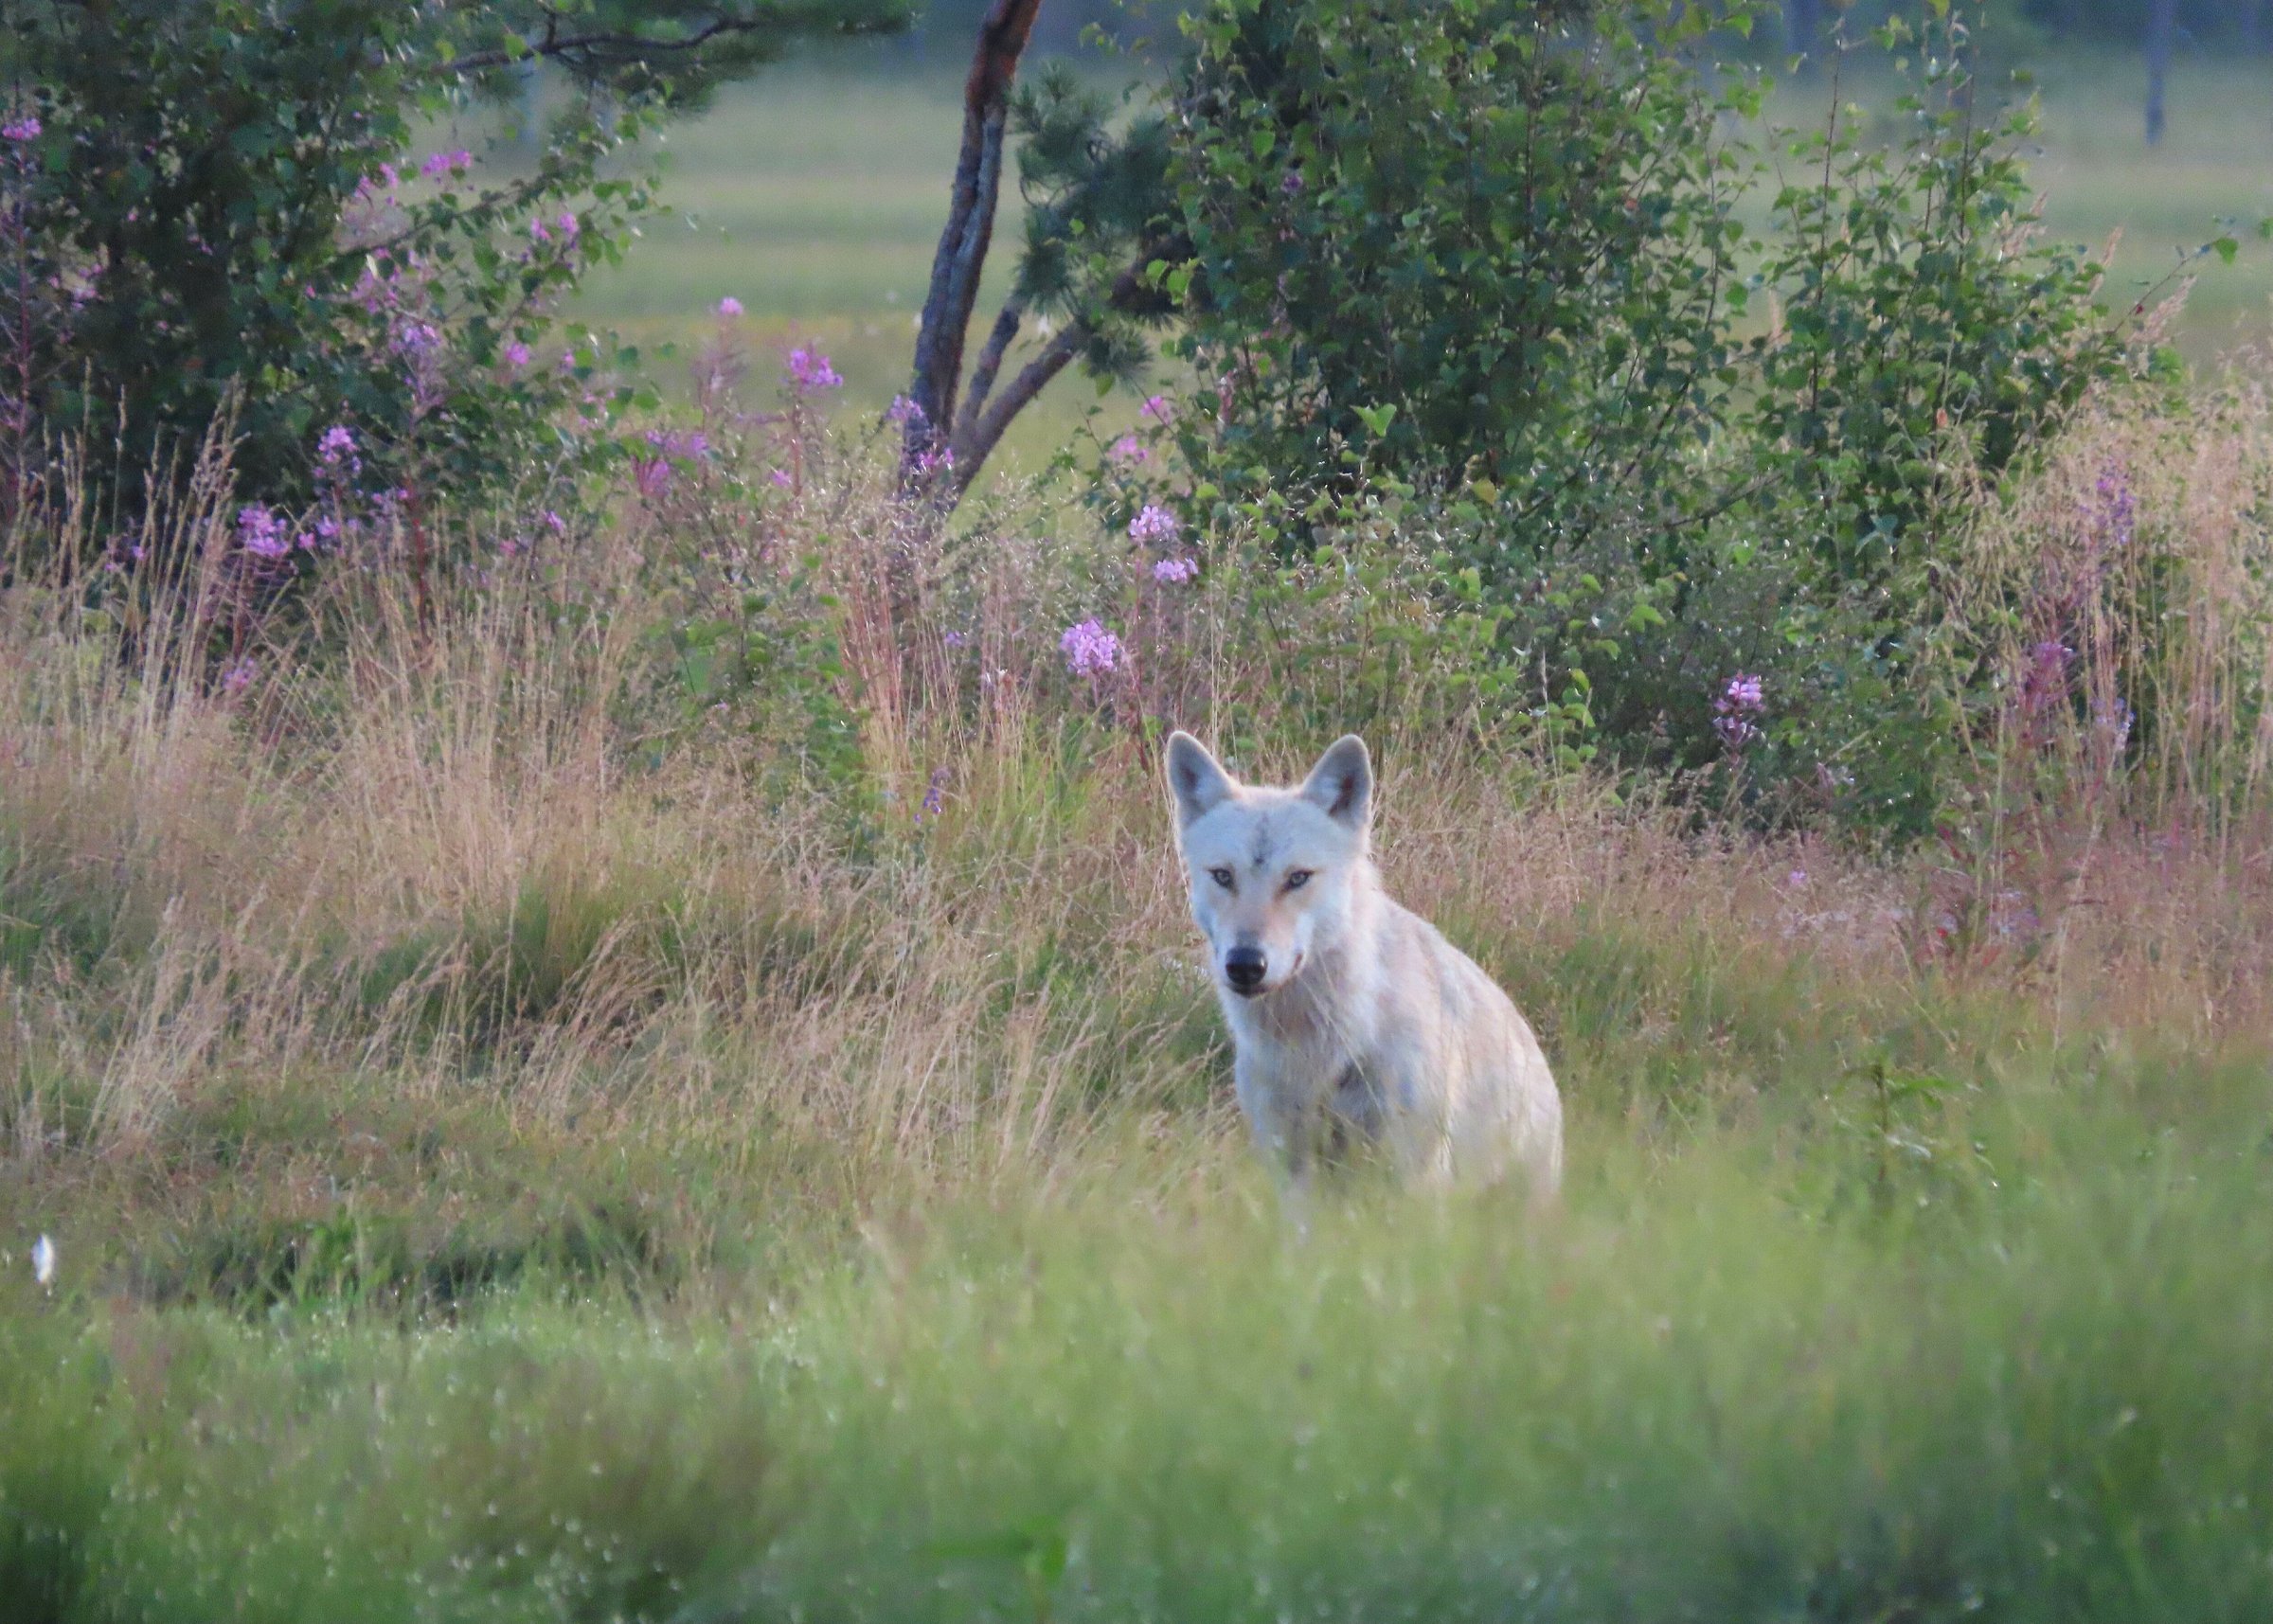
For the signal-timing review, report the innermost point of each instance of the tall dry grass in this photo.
(476, 861)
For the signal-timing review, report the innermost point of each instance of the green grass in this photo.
(1874, 1297)
(2011, 1368)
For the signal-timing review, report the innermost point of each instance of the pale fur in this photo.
(1369, 1029)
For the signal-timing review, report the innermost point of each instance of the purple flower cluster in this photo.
(1128, 450)
(1156, 407)
(1090, 649)
(237, 675)
(683, 444)
(1155, 525)
(261, 534)
(441, 164)
(903, 412)
(810, 369)
(935, 795)
(2115, 509)
(729, 306)
(516, 353)
(417, 341)
(336, 452)
(1174, 571)
(24, 127)
(1735, 711)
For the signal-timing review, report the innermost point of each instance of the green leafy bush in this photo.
(217, 212)
(1487, 238)
(1484, 260)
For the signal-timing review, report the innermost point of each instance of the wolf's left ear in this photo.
(1194, 778)
(1342, 782)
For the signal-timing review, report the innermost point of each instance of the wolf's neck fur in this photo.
(1326, 1013)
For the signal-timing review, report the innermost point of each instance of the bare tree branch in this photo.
(1132, 293)
(962, 251)
(989, 363)
(987, 432)
(616, 46)
(613, 46)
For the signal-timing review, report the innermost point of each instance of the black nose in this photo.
(1242, 968)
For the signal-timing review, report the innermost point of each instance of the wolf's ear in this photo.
(1342, 782)
(1199, 785)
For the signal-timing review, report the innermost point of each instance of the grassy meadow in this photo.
(512, 1156)
(513, 1152)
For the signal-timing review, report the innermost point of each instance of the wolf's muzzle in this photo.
(1244, 969)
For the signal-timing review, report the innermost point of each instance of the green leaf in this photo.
(1377, 418)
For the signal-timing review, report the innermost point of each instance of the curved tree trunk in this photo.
(961, 256)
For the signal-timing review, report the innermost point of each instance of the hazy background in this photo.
(814, 194)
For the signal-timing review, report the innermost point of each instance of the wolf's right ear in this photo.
(1194, 778)
(1341, 785)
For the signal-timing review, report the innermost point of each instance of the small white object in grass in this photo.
(43, 1262)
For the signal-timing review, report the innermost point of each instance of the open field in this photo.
(816, 198)
(513, 1157)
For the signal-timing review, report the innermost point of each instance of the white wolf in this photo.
(1355, 1023)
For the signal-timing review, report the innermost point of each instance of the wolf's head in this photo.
(1273, 871)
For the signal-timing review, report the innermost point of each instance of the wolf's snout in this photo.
(1242, 968)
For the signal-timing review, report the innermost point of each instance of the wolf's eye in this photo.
(1297, 877)
(1220, 876)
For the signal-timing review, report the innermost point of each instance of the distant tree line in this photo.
(2224, 22)
(2227, 24)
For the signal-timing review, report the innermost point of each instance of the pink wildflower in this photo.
(729, 306)
(1090, 649)
(810, 369)
(1176, 571)
(1153, 525)
(1734, 711)
(260, 533)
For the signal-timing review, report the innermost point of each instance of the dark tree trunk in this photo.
(962, 251)
(2162, 17)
